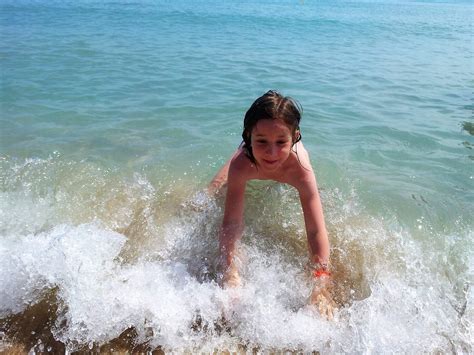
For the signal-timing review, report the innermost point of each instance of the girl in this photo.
(272, 150)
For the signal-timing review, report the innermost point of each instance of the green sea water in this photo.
(115, 115)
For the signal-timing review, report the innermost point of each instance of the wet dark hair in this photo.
(273, 106)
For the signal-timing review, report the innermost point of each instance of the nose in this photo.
(271, 150)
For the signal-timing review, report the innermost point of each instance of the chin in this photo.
(270, 167)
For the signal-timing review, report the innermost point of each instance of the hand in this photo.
(321, 297)
(232, 277)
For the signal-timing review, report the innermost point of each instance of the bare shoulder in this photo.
(241, 168)
(303, 178)
(303, 155)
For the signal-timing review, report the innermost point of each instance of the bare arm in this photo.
(319, 246)
(232, 224)
(314, 220)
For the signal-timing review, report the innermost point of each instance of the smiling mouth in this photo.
(270, 162)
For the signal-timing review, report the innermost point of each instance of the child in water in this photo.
(272, 150)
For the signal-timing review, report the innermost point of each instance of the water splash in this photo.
(147, 277)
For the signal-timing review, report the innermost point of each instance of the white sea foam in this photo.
(396, 293)
(100, 297)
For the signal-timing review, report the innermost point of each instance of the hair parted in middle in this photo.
(271, 106)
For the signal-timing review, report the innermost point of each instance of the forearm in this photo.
(229, 234)
(321, 296)
(228, 237)
(319, 247)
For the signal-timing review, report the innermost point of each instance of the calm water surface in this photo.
(116, 114)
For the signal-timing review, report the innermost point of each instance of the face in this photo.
(271, 143)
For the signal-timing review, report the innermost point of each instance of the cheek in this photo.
(286, 150)
(281, 151)
(256, 148)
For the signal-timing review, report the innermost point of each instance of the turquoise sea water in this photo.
(116, 114)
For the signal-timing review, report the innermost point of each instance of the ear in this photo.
(297, 136)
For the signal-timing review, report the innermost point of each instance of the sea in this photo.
(116, 114)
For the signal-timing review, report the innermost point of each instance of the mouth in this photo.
(270, 162)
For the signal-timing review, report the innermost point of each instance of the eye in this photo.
(261, 141)
(282, 142)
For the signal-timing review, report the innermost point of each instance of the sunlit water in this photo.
(115, 115)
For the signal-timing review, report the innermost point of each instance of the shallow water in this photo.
(115, 116)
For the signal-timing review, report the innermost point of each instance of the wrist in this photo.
(320, 273)
(320, 269)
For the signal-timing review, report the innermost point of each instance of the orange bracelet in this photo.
(321, 272)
